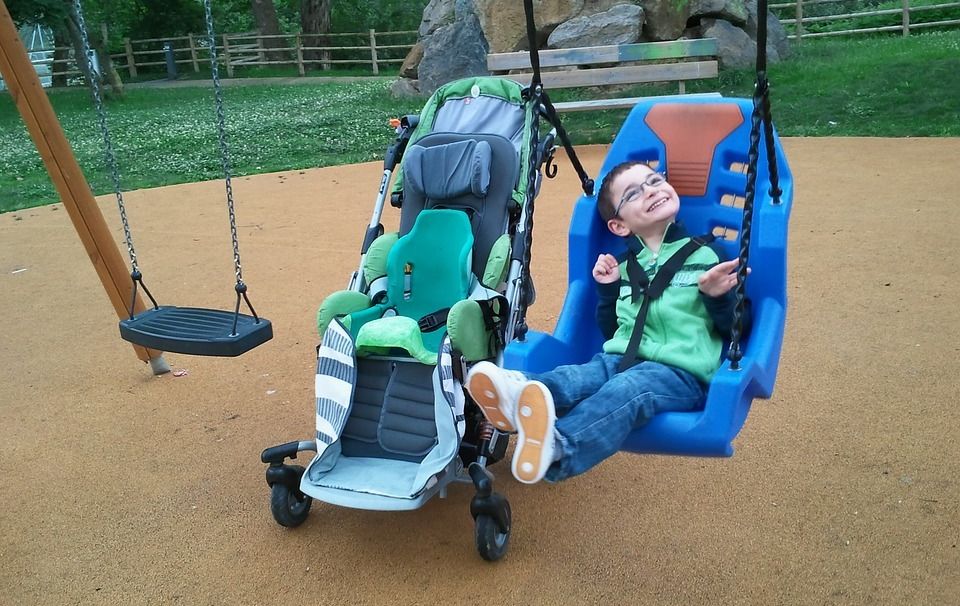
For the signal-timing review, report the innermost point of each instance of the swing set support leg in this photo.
(47, 134)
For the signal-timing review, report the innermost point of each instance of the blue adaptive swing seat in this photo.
(702, 144)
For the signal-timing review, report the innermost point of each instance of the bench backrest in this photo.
(703, 50)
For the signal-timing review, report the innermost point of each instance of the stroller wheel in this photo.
(492, 540)
(289, 507)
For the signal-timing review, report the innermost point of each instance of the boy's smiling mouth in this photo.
(657, 204)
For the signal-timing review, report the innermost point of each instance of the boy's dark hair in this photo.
(606, 205)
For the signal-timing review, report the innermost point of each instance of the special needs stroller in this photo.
(394, 425)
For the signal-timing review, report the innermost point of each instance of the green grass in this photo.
(886, 86)
(868, 86)
(167, 136)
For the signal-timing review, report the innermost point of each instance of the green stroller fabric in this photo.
(428, 271)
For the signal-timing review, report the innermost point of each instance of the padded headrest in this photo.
(442, 172)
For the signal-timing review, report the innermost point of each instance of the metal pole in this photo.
(171, 60)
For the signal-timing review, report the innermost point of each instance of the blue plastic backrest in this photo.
(577, 338)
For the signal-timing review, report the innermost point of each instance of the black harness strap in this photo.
(646, 290)
(434, 320)
(494, 312)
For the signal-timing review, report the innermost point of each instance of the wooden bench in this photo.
(633, 64)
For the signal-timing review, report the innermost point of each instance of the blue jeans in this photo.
(597, 407)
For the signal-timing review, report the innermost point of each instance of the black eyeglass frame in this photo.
(655, 179)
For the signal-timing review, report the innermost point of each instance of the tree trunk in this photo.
(265, 16)
(106, 65)
(61, 53)
(75, 38)
(314, 22)
(109, 70)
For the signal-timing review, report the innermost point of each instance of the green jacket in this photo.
(684, 328)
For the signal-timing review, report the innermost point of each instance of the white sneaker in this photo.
(496, 390)
(536, 418)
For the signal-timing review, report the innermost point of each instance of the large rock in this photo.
(734, 11)
(436, 14)
(778, 46)
(405, 87)
(619, 25)
(505, 25)
(412, 62)
(453, 51)
(735, 47)
(664, 19)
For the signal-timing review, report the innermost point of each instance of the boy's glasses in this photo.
(635, 191)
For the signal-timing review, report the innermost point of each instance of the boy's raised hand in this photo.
(719, 279)
(606, 270)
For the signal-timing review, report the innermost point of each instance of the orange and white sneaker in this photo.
(536, 417)
(496, 390)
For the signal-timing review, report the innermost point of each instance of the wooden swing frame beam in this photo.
(61, 164)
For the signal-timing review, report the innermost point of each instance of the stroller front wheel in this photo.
(492, 539)
(289, 507)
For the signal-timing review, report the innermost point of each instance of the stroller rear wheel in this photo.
(289, 507)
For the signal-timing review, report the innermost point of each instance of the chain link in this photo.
(108, 154)
(533, 171)
(222, 136)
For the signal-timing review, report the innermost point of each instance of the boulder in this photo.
(453, 51)
(405, 87)
(734, 11)
(505, 26)
(664, 19)
(778, 45)
(618, 25)
(735, 47)
(436, 14)
(412, 62)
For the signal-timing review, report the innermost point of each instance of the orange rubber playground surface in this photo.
(124, 488)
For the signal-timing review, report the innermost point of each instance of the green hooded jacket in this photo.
(684, 328)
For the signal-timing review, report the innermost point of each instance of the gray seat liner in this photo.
(393, 411)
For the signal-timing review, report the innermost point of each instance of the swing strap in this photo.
(646, 290)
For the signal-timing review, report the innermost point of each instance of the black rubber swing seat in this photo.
(195, 331)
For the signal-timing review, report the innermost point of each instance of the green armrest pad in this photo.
(467, 331)
(340, 303)
(498, 262)
(375, 262)
(381, 336)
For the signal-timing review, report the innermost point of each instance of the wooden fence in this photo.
(371, 49)
(797, 25)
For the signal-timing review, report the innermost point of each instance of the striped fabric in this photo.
(335, 380)
(452, 389)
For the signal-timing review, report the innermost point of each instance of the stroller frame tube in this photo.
(390, 161)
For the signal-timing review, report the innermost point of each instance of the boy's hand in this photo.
(606, 270)
(719, 279)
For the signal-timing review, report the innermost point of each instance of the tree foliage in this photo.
(160, 18)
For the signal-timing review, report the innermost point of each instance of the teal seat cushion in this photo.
(428, 271)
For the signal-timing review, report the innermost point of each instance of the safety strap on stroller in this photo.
(645, 290)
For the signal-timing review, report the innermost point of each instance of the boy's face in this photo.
(644, 201)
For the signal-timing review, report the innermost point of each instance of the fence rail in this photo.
(827, 24)
(243, 50)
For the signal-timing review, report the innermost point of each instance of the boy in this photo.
(573, 417)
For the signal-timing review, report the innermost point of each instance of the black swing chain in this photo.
(534, 99)
(761, 114)
(224, 149)
(109, 157)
